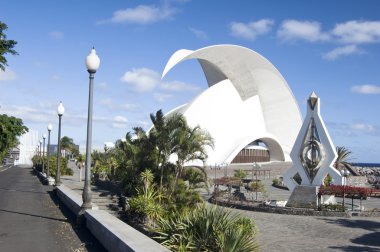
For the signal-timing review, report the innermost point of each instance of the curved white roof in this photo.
(247, 99)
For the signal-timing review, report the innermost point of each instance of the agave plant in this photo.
(207, 229)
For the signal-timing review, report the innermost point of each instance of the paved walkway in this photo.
(279, 232)
(295, 233)
(32, 218)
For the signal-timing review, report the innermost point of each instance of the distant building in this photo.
(53, 149)
(27, 147)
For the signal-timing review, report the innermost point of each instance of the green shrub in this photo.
(207, 229)
(258, 186)
(276, 181)
(332, 207)
(240, 174)
(37, 162)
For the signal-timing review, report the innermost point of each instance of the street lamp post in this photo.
(49, 128)
(40, 151)
(92, 64)
(345, 174)
(43, 153)
(256, 166)
(60, 111)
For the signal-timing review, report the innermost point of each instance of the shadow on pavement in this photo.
(34, 215)
(370, 239)
(355, 249)
(355, 223)
(88, 240)
(12, 190)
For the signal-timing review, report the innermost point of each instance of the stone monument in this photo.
(313, 155)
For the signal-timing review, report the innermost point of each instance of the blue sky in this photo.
(330, 47)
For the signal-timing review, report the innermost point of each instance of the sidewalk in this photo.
(33, 219)
(73, 181)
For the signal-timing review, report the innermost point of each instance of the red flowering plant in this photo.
(349, 191)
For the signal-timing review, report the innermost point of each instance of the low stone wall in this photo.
(111, 232)
(71, 199)
(116, 235)
(292, 211)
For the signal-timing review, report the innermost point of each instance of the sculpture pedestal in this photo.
(304, 197)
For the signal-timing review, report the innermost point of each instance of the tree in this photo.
(344, 155)
(10, 128)
(162, 135)
(68, 144)
(190, 145)
(6, 46)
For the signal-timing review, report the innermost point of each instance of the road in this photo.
(32, 218)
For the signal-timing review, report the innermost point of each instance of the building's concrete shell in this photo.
(247, 99)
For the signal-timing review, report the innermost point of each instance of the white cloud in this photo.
(7, 75)
(251, 30)
(366, 128)
(357, 32)
(354, 130)
(27, 113)
(129, 107)
(141, 79)
(177, 86)
(146, 80)
(108, 103)
(55, 77)
(43, 114)
(102, 85)
(119, 122)
(119, 125)
(342, 51)
(56, 35)
(142, 14)
(198, 33)
(161, 98)
(366, 89)
(291, 30)
(120, 119)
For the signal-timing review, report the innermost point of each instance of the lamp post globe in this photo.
(60, 109)
(60, 112)
(92, 65)
(49, 128)
(92, 61)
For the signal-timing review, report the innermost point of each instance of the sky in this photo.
(331, 47)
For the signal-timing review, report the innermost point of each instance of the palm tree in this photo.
(191, 145)
(162, 135)
(344, 155)
(68, 144)
(96, 157)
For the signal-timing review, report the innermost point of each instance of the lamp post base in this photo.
(81, 220)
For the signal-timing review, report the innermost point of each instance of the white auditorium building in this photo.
(248, 107)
